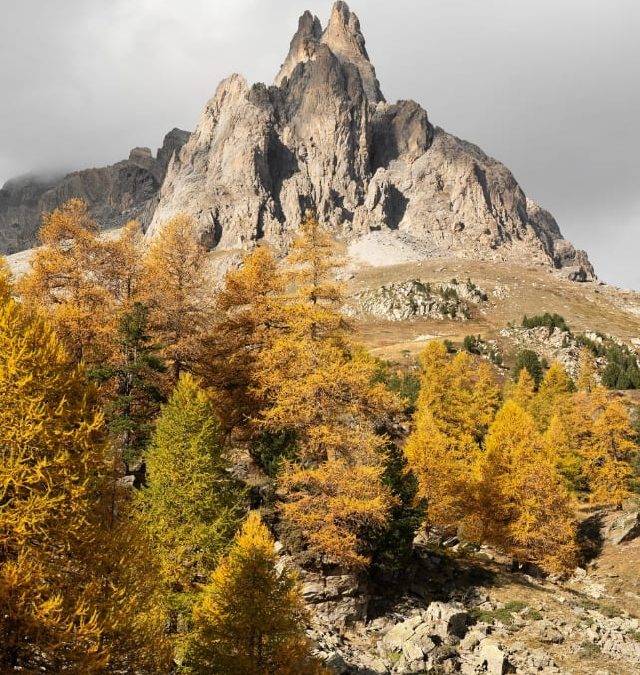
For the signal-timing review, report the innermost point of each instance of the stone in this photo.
(261, 156)
(624, 528)
(447, 619)
(546, 632)
(114, 194)
(493, 657)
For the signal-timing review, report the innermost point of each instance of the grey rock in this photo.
(324, 137)
(115, 194)
(447, 619)
(624, 528)
(493, 657)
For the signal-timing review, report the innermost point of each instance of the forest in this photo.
(161, 434)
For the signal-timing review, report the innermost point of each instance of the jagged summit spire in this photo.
(342, 36)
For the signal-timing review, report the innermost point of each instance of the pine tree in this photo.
(524, 505)
(133, 383)
(191, 505)
(529, 361)
(251, 619)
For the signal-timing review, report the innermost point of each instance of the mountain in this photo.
(323, 137)
(115, 194)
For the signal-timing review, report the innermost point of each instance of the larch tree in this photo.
(247, 317)
(523, 390)
(65, 281)
(456, 405)
(176, 289)
(586, 371)
(68, 597)
(251, 619)
(553, 396)
(191, 505)
(524, 505)
(83, 280)
(607, 453)
(315, 385)
(6, 280)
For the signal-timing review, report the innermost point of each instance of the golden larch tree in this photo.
(175, 285)
(607, 453)
(457, 403)
(251, 619)
(524, 505)
(69, 596)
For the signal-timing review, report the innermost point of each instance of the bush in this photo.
(547, 320)
(528, 359)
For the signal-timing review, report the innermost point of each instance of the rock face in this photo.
(115, 194)
(324, 137)
(411, 299)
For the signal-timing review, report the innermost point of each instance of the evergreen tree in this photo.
(530, 361)
(251, 619)
(134, 379)
(191, 505)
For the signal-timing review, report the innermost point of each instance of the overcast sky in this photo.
(549, 87)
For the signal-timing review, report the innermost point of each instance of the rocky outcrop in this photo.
(115, 194)
(324, 137)
(412, 299)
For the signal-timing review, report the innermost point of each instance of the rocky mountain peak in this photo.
(344, 39)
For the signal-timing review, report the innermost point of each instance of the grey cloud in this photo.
(550, 88)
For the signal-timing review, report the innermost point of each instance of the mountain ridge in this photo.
(323, 137)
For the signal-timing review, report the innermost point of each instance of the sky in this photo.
(549, 87)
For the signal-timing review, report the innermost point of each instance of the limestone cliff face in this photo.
(324, 137)
(115, 194)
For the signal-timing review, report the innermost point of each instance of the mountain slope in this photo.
(324, 137)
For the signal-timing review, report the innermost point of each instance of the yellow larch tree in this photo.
(524, 505)
(68, 600)
(336, 506)
(6, 280)
(607, 453)
(586, 371)
(457, 402)
(64, 280)
(247, 317)
(553, 396)
(523, 391)
(251, 619)
(177, 290)
(316, 385)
